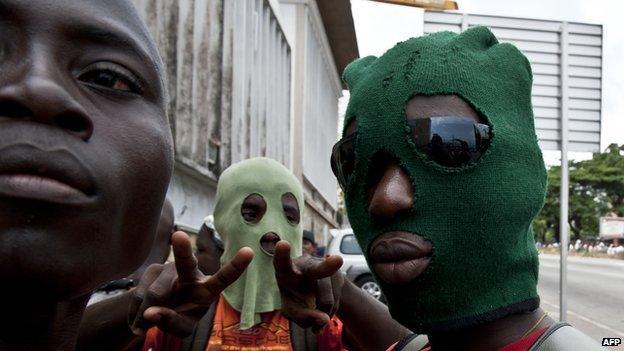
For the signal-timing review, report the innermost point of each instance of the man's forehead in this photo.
(115, 16)
(122, 10)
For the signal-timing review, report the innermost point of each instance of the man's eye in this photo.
(253, 208)
(108, 80)
(292, 216)
(291, 208)
(249, 215)
(111, 78)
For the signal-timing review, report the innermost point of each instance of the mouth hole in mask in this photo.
(268, 242)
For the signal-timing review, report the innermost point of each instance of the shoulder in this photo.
(564, 337)
(413, 342)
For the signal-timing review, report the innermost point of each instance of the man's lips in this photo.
(35, 187)
(400, 257)
(29, 172)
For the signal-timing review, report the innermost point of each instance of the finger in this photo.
(170, 321)
(226, 275)
(337, 282)
(306, 317)
(185, 261)
(192, 310)
(281, 259)
(324, 295)
(158, 293)
(138, 295)
(311, 269)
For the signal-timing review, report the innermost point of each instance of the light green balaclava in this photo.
(256, 290)
(477, 217)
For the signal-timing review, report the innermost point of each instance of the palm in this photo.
(310, 287)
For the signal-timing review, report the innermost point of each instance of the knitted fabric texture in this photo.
(478, 217)
(256, 290)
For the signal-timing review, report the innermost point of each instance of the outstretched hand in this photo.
(310, 287)
(174, 296)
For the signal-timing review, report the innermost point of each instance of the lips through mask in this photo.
(477, 217)
(256, 290)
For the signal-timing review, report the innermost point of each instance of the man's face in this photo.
(85, 149)
(208, 252)
(162, 242)
(444, 153)
(309, 247)
(398, 256)
(166, 227)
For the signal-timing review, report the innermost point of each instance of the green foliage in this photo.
(596, 189)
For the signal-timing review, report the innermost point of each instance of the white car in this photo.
(344, 244)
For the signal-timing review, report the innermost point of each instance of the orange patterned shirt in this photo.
(271, 334)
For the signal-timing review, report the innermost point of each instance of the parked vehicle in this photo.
(344, 244)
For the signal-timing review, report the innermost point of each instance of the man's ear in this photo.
(356, 70)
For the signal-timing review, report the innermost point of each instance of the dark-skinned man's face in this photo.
(308, 247)
(85, 149)
(208, 251)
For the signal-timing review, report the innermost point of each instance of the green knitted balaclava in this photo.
(256, 290)
(478, 217)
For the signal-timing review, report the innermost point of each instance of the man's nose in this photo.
(392, 194)
(37, 96)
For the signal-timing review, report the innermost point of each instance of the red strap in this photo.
(525, 343)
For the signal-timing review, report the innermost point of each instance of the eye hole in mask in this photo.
(450, 141)
(253, 208)
(291, 208)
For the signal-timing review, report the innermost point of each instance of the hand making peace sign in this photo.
(174, 296)
(310, 287)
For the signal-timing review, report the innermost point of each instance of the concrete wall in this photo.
(238, 89)
(315, 111)
(229, 80)
(193, 197)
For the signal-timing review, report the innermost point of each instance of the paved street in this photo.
(595, 294)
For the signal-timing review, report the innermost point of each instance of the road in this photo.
(595, 294)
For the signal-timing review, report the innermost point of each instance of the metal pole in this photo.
(564, 198)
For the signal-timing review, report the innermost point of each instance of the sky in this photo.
(379, 26)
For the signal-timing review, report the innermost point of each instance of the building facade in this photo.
(252, 78)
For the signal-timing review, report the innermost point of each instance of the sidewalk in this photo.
(586, 260)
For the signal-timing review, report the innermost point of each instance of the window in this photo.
(350, 246)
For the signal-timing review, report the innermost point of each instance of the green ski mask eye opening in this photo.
(450, 141)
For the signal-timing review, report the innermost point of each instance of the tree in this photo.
(596, 189)
(605, 173)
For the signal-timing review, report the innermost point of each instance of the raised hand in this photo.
(310, 287)
(174, 296)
